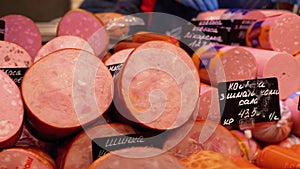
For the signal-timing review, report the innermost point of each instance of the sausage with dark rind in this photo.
(72, 88)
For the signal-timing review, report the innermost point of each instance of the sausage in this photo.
(115, 24)
(292, 103)
(25, 158)
(211, 15)
(279, 33)
(61, 42)
(142, 37)
(13, 55)
(254, 14)
(242, 162)
(72, 89)
(281, 65)
(272, 132)
(136, 158)
(278, 157)
(125, 45)
(201, 135)
(77, 154)
(249, 146)
(118, 57)
(209, 104)
(207, 159)
(290, 141)
(86, 25)
(11, 112)
(22, 31)
(153, 93)
(221, 63)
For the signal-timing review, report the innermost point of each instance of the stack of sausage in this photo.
(70, 96)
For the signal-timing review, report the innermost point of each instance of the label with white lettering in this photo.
(102, 146)
(16, 74)
(115, 68)
(203, 32)
(2, 29)
(249, 101)
(238, 32)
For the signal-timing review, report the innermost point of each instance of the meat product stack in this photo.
(143, 102)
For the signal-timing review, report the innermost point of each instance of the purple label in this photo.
(204, 62)
(254, 34)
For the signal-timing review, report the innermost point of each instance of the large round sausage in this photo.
(11, 111)
(86, 25)
(23, 31)
(158, 86)
(25, 158)
(13, 55)
(221, 63)
(281, 65)
(211, 15)
(279, 33)
(136, 158)
(201, 135)
(78, 153)
(272, 132)
(292, 102)
(72, 88)
(61, 42)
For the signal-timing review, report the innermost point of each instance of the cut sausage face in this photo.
(87, 26)
(61, 42)
(22, 30)
(71, 88)
(158, 86)
(11, 111)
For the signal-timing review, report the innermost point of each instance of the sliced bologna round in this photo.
(11, 112)
(201, 135)
(78, 153)
(136, 158)
(61, 42)
(221, 63)
(118, 57)
(278, 33)
(86, 25)
(158, 86)
(23, 31)
(209, 104)
(72, 88)
(281, 65)
(272, 132)
(25, 158)
(13, 55)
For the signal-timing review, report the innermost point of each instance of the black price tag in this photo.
(249, 101)
(203, 32)
(115, 68)
(299, 104)
(238, 32)
(2, 29)
(16, 74)
(102, 146)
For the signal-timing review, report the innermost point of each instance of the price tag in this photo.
(102, 146)
(16, 74)
(2, 29)
(238, 32)
(115, 68)
(246, 102)
(200, 33)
